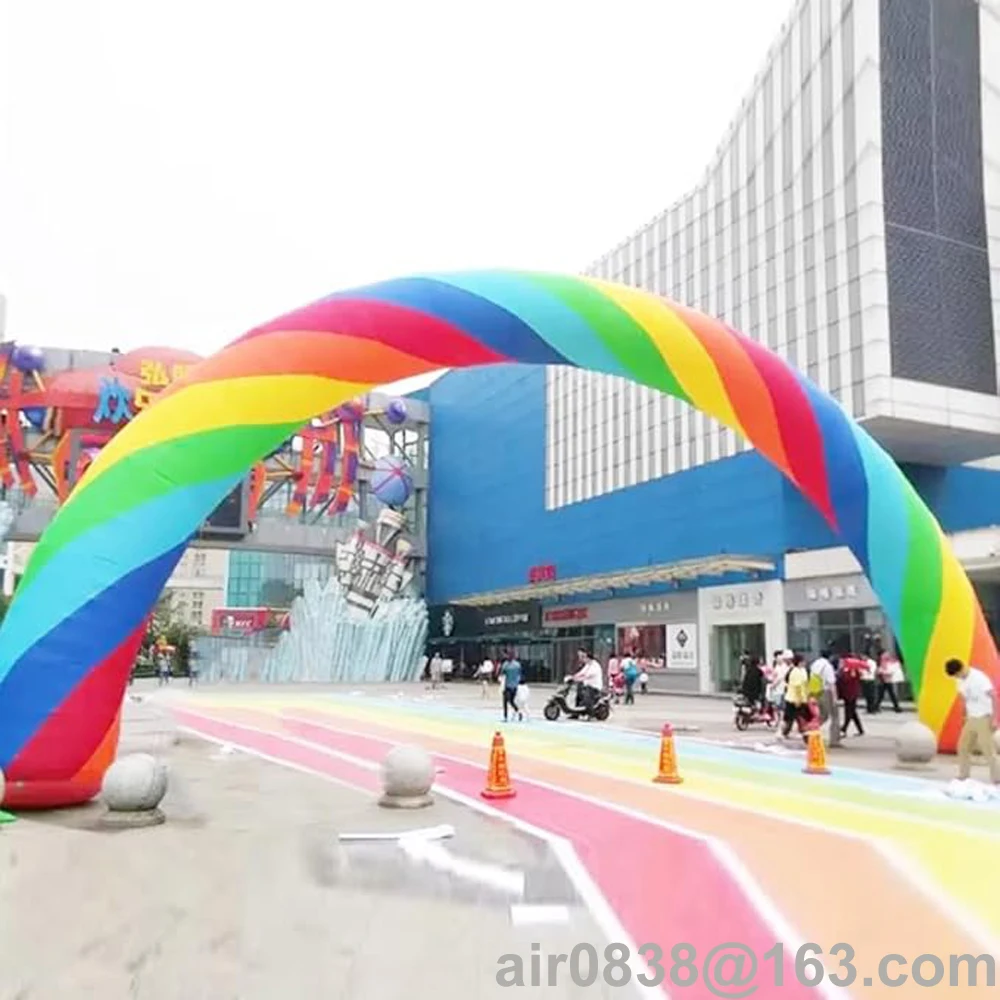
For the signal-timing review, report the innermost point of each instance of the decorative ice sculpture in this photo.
(331, 641)
(7, 517)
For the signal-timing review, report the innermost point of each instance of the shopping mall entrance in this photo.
(729, 643)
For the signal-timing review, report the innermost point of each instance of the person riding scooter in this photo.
(590, 680)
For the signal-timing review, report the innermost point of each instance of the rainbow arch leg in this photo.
(71, 635)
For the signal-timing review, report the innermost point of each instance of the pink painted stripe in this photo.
(275, 745)
(664, 886)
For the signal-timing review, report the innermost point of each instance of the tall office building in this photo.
(850, 220)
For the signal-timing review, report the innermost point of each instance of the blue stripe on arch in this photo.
(486, 321)
(91, 562)
(888, 524)
(845, 470)
(555, 322)
(46, 674)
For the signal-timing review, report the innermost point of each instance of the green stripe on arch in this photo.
(921, 588)
(155, 472)
(625, 338)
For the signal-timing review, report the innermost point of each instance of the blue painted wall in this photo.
(488, 524)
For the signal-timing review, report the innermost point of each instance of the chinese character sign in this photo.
(113, 403)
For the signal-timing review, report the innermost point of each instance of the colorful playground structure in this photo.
(69, 640)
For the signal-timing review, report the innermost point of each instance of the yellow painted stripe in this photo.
(205, 406)
(961, 862)
(683, 352)
(952, 637)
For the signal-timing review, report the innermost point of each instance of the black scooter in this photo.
(559, 704)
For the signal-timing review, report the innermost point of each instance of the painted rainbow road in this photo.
(748, 849)
(70, 638)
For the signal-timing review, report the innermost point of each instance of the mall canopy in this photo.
(642, 576)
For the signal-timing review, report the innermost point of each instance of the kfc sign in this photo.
(241, 619)
(554, 615)
(541, 574)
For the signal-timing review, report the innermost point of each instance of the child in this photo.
(485, 674)
(521, 700)
(618, 686)
(644, 681)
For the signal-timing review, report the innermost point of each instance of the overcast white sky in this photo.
(176, 172)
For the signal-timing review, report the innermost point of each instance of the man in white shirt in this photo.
(980, 697)
(590, 677)
(822, 668)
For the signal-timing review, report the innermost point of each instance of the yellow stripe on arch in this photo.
(952, 637)
(683, 352)
(206, 406)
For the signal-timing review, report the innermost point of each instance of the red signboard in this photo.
(567, 614)
(541, 574)
(241, 619)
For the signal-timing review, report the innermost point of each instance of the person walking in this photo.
(890, 676)
(822, 668)
(869, 686)
(849, 682)
(980, 697)
(631, 672)
(437, 670)
(510, 673)
(485, 674)
(796, 694)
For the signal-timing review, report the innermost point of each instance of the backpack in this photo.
(815, 685)
(631, 671)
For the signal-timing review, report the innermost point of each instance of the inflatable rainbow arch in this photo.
(71, 635)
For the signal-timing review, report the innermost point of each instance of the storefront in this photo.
(840, 613)
(737, 619)
(467, 635)
(661, 631)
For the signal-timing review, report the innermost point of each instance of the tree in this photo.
(165, 622)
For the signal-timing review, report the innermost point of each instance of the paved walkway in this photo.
(748, 849)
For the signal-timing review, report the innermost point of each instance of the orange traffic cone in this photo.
(815, 753)
(668, 758)
(498, 784)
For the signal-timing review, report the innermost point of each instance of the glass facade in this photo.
(848, 631)
(272, 579)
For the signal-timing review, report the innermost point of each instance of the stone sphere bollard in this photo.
(915, 744)
(407, 776)
(133, 789)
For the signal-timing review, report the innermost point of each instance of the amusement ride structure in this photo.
(54, 422)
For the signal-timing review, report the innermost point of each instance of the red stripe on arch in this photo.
(743, 383)
(408, 330)
(66, 742)
(308, 352)
(799, 430)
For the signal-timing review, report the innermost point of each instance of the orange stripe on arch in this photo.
(748, 392)
(103, 757)
(292, 352)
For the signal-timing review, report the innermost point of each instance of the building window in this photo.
(200, 559)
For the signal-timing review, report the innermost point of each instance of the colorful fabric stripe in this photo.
(76, 621)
